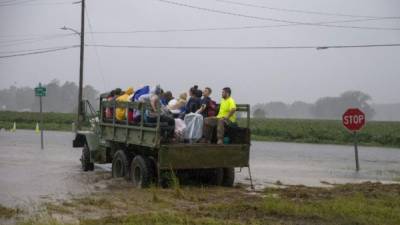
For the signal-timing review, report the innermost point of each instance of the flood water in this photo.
(29, 174)
(311, 164)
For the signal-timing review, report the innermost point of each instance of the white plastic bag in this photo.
(194, 127)
(180, 127)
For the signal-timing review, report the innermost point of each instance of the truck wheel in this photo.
(229, 177)
(85, 159)
(141, 172)
(120, 165)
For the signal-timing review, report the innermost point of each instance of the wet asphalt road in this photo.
(29, 174)
(311, 164)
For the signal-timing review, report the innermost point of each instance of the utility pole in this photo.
(82, 35)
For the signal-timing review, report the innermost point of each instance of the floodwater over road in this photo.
(29, 174)
(311, 164)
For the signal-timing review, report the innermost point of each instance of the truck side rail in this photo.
(141, 126)
(246, 109)
(128, 125)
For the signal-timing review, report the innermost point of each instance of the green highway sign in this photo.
(40, 91)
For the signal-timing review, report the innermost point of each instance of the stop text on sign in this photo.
(353, 119)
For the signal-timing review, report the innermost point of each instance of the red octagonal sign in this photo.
(353, 119)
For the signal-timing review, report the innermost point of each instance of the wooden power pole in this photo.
(82, 51)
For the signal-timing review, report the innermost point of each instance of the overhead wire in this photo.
(32, 50)
(273, 19)
(15, 42)
(242, 47)
(38, 51)
(237, 28)
(56, 49)
(100, 67)
(34, 3)
(296, 10)
(288, 23)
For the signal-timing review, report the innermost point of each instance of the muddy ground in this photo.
(366, 203)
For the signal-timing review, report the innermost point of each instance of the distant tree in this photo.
(277, 110)
(334, 107)
(60, 98)
(357, 99)
(259, 113)
(300, 109)
(326, 108)
(92, 95)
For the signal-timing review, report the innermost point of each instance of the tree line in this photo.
(323, 108)
(60, 97)
(64, 98)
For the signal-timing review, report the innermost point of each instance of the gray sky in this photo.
(254, 75)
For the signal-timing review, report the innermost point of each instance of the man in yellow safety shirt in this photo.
(226, 116)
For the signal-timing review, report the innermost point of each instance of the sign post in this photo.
(41, 92)
(354, 119)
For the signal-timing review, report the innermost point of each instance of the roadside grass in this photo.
(28, 120)
(362, 204)
(368, 203)
(157, 219)
(7, 213)
(42, 221)
(32, 126)
(324, 132)
(52, 207)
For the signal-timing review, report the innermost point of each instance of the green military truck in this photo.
(142, 153)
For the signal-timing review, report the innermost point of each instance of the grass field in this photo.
(362, 204)
(28, 120)
(288, 130)
(325, 131)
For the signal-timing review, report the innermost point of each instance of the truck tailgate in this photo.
(196, 156)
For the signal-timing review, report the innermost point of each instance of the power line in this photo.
(29, 37)
(192, 30)
(10, 3)
(7, 43)
(49, 50)
(33, 3)
(100, 68)
(241, 47)
(6, 3)
(31, 50)
(38, 51)
(297, 11)
(272, 19)
(237, 28)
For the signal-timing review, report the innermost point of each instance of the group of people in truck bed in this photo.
(174, 109)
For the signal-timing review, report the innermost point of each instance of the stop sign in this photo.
(353, 119)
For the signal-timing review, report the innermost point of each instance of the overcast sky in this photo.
(260, 75)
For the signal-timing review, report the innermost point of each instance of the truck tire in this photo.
(120, 165)
(229, 177)
(85, 159)
(142, 172)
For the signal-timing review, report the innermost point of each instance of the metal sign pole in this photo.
(40, 92)
(41, 123)
(356, 151)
